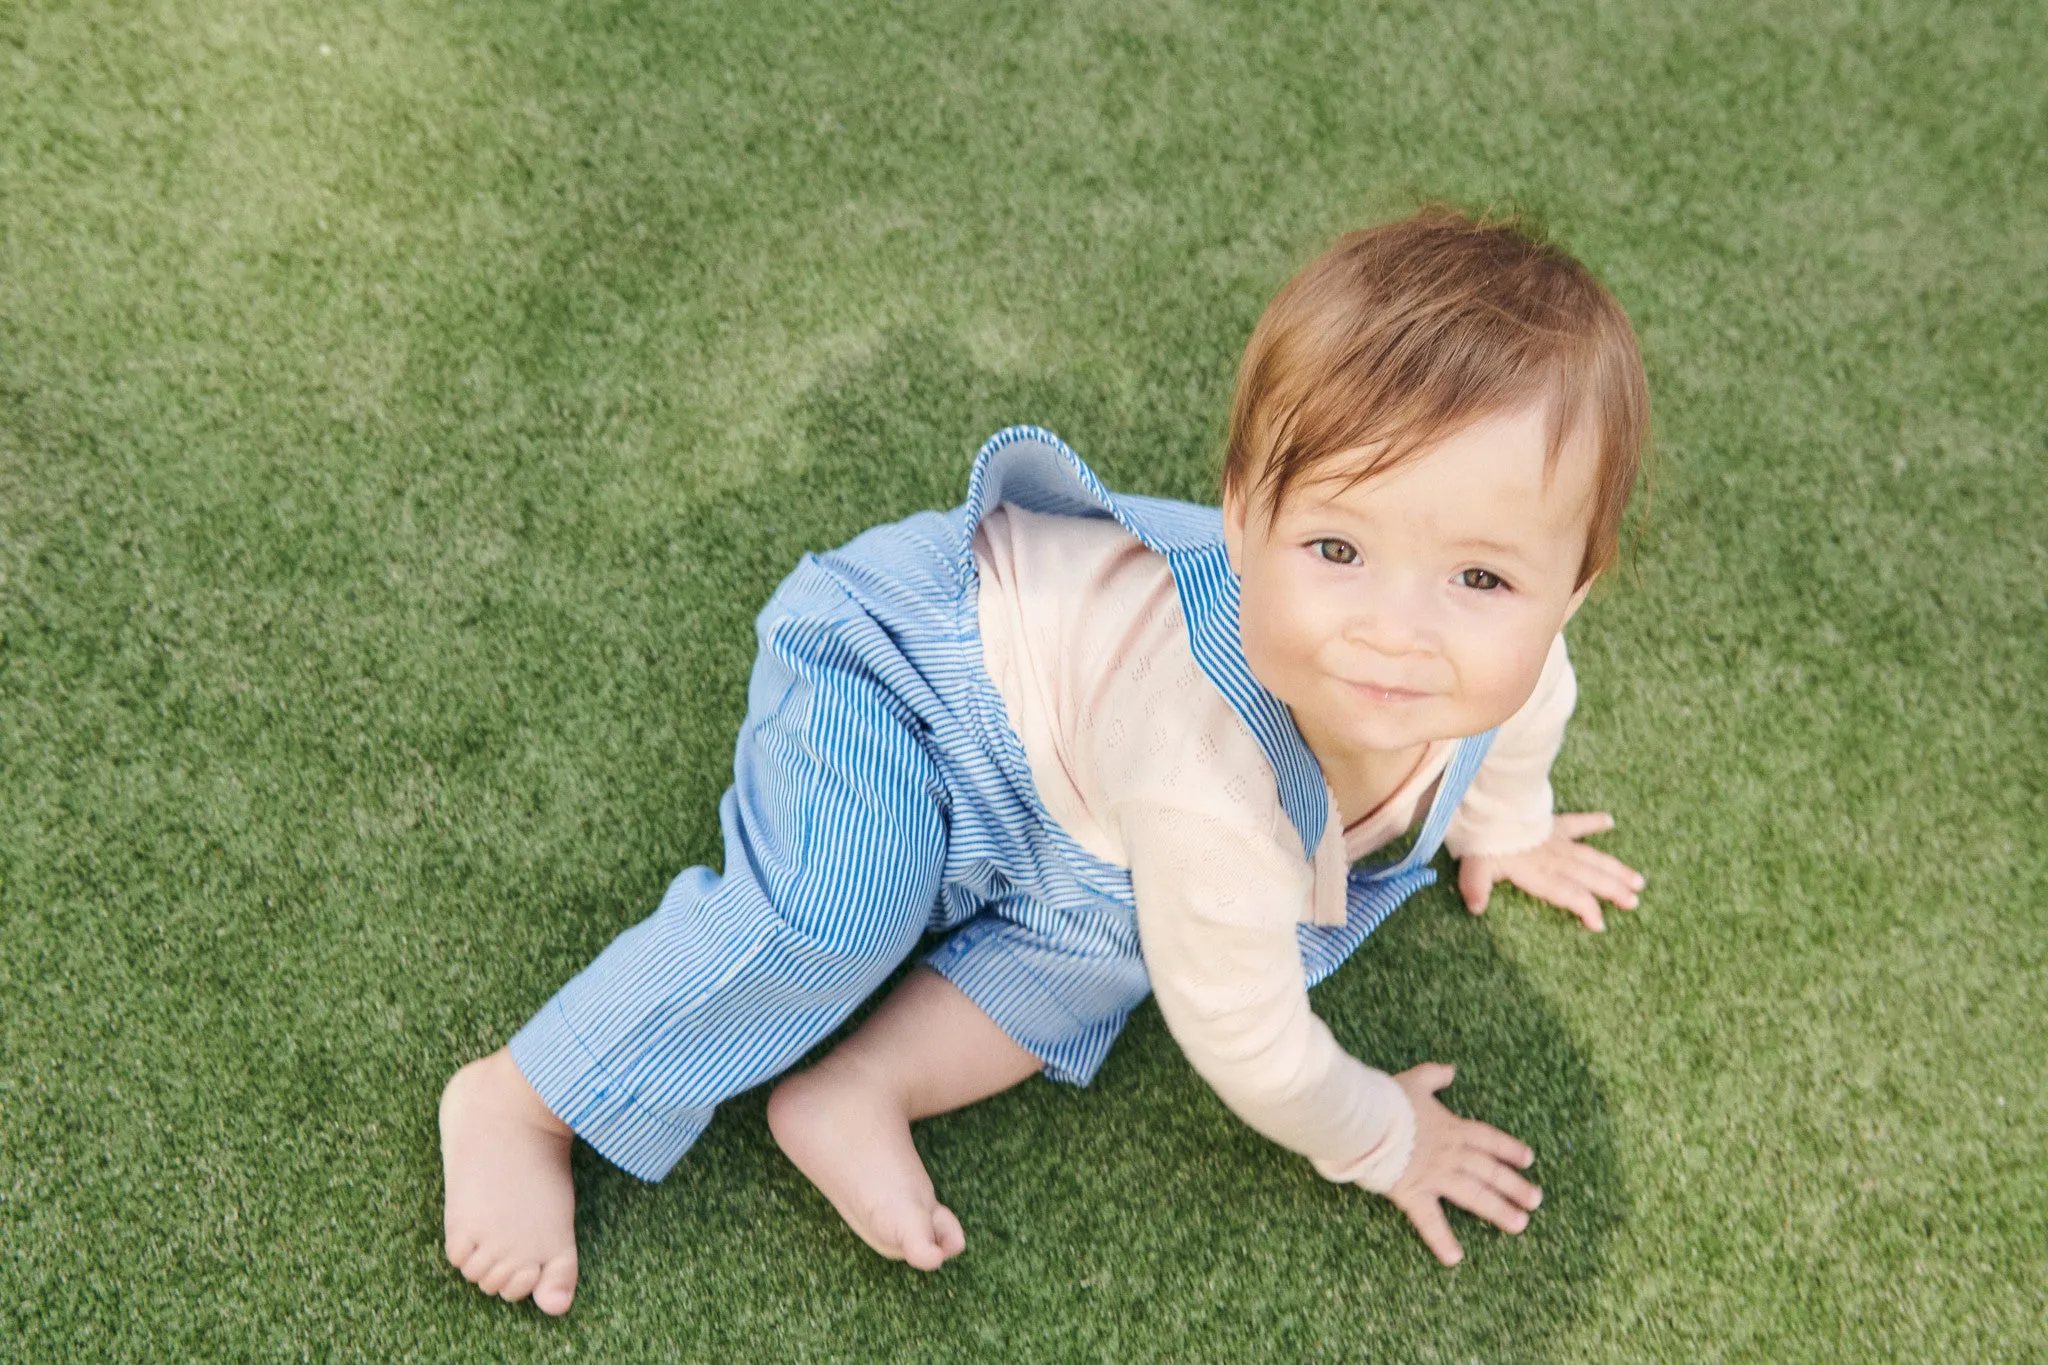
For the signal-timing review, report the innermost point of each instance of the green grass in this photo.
(404, 408)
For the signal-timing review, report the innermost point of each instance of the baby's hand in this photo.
(1474, 1165)
(1563, 871)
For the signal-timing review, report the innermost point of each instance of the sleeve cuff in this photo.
(1499, 843)
(1385, 1161)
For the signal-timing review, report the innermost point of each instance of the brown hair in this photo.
(1399, 335)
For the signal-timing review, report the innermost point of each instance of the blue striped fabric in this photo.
(879, 794)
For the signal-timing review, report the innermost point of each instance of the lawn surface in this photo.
(406, 404)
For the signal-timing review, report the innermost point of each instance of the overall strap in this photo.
(1375, 891)
(1031, 468)
(1450, 790)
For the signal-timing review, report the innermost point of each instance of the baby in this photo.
(1108, 745)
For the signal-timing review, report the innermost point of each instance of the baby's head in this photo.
(1437, 428)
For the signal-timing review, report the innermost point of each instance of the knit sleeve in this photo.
(1146, 766)
(1218, 902)
(1509, 806)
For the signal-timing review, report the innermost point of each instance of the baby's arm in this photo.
(1504, 829)
(1217, 912)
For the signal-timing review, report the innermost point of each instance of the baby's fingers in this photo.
(1580, 825)
(1490, 1141)
(1428, 1217)
(1564, 892)
(1606, 877)
(1504, 1179)
(1477, 1197)
(1475, 882)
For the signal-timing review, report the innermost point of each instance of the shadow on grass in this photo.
(1137, 1218)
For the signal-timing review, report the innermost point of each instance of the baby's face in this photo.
(1419, 605)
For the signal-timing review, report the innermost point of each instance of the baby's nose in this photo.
(1390, 623)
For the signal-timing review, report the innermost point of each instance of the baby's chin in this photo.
(1389, 734)
(1392, 726)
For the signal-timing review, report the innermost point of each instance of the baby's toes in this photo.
(906, 1231)
(922, 1253)
(947, 1232)
(498, 1276)
(556, 1288)
(459, 1247)
(521, 1284)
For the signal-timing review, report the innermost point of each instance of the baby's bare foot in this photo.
(511, 1215)
(853, 1140)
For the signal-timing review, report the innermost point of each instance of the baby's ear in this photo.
(1578, 599)
(1233, 527)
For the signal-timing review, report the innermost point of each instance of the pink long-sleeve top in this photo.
(1146, 765)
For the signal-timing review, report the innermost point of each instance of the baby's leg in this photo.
(835, 845)
(846, 1122)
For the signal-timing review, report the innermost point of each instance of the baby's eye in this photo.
(1484, 580)
(1336, 551)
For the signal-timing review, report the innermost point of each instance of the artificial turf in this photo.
(406, 404)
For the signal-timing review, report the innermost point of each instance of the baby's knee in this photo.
(857, 924)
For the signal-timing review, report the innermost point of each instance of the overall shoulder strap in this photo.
(1029, 467)
(1450, 790)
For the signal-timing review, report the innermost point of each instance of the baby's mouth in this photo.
(1387, 695)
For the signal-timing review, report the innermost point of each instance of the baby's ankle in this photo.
(497, 1085)
(836, 1078)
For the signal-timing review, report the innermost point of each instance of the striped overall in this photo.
(880, 794)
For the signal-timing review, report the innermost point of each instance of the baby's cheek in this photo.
(1270, 649)
(1504, 684)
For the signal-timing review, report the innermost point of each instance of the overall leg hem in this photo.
(633, 1136)
(989, 969)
